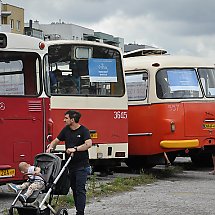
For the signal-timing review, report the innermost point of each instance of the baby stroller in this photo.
(57, 182)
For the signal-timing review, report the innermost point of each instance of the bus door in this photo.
(21, 111)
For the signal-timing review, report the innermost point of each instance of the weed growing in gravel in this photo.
(99, 189)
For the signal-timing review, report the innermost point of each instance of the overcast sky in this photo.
(179, 26)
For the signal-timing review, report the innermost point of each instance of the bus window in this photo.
(137, 84)
(19, 74)
(178, 83)
(207, 77)
(85, 70)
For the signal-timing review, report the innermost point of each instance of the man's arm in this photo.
(52, 145)
(84, 147)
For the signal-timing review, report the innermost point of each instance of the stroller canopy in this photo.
(50, 165)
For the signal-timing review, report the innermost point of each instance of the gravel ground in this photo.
(190, 192)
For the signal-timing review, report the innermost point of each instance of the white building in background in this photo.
(65, 31)
(62, 30)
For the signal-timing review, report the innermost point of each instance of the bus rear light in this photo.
(120, 154)
(172, 126)
(50, 130)
(41, 45)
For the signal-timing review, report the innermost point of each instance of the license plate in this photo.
(7, 173)
(209, 125)
(93, 135)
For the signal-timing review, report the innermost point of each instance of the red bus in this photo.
(23, 103)
(171, 107)
(89, 77)
(37, 87)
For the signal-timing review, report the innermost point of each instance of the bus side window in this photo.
(137, 85)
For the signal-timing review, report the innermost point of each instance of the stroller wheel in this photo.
(62, 211)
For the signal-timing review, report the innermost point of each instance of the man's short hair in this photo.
(74, 114)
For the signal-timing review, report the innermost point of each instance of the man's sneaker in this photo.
(22, 198)
(13, 187)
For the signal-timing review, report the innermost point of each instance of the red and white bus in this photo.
(89, 77)
(23, 103)
(34, 98)
(171, 107)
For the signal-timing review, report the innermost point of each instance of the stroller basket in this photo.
(32, 211)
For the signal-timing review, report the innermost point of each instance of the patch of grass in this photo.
(6, 212)
(166, 172)
(97, 189)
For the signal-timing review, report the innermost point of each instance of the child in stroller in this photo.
(55, 181)
(34, 183)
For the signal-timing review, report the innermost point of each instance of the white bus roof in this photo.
(80, 42)
(21, 42)
(165, 61)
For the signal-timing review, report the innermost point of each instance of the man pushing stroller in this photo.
(35, 181)
(77, 141)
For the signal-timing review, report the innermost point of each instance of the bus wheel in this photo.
(202, 159)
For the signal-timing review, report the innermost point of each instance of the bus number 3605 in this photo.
(120, 115)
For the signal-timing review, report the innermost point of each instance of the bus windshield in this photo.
(19, 74)
(207, 77)
(85, 70)
(178, 83)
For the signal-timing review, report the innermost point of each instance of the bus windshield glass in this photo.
(207, 77)
(84, 70)
(19, 74)
(178, 83)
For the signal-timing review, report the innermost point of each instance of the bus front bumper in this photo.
(176, 144)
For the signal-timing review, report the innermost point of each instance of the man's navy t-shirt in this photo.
(76, 138)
